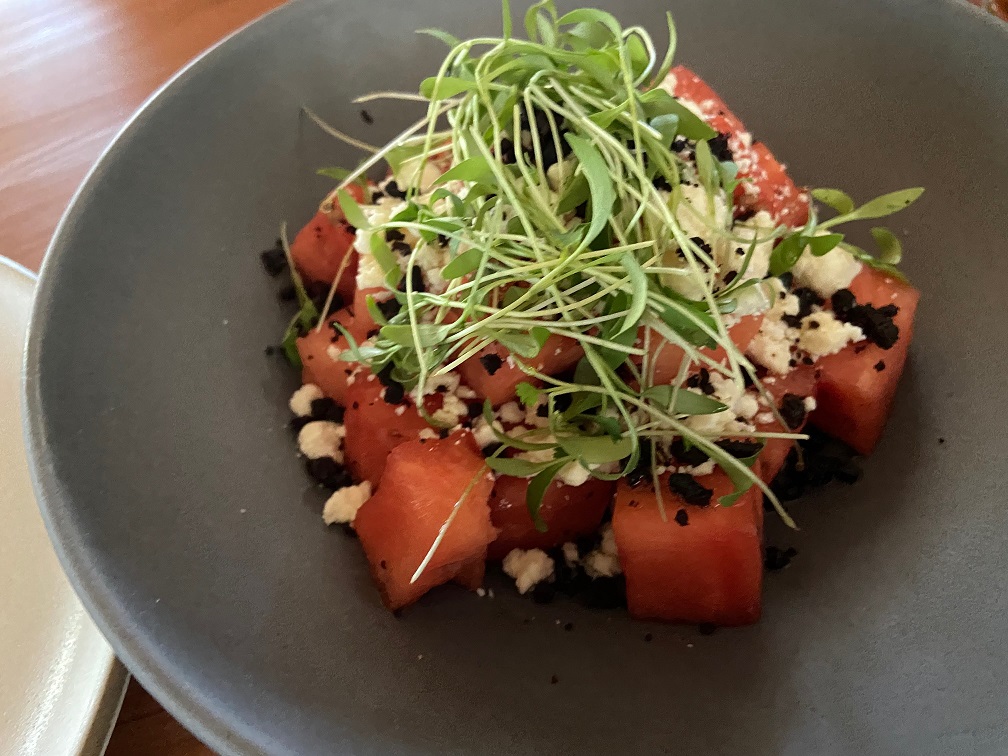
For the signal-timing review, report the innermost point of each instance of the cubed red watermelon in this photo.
(423, 482)
(701, 565)
(492, 374)
(799, 384)
(568, 511)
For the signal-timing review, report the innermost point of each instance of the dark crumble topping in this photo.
(777, 559)
(402, 249)
(689, 490)
(605, 593)
(682, 518)
(366, 117)
(328, 472)
(507, 151)
(287, 293)
(554, 680)
(879, 366)
(730, 276)
(394, 235)
(876, 322)
(792, 410)
(704, 246)
(745, 214)
(443, 433)
(327, 409)
(389, 308)
(813, 325)
(297, 423)
(679, 144)
(661, 183)
(491, 363)
(740, 449)
(392, 189)
(693, 455)
(648, 637)
(822, 459)
(787, 279)
(416, 279)
(719, 148)
(807, 299)
(274, 260)
(707, 628)
(701, 380)
(568, 626)
(394, 394)
(491, 448)
(542, 410)
(543, 593)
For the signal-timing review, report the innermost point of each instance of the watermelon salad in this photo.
(584, 328)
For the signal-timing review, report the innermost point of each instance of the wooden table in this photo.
(73, 72)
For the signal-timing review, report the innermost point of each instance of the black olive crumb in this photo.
(543, 593)
(686, 487)
(366, 117)
(648, 637)
(491, 363)
(568, 626)
(880, 365)
(274, 261)
(775, 558)
(328, 472)
(941, 440)
(707, 628)
(554, 680)
(792, 410)
(682, 518)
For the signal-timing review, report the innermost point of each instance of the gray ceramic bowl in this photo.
(174, 497)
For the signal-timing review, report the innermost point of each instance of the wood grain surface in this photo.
(72, 72)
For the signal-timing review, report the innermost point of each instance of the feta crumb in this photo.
(528, 567)
(342, 506)
(532, 417)
(334, 352)
(400, 410)
(301, 400)
(573, 474)
(511, 413)
(464, 392)
(810, 404)
(321, 438)
(451, 410)
(826, 274)
(703, 469)
(481, 592)
(449, 382)
(603, 561)
(746, 406)
(763, 418)
(484, 433)
(428, 433)
(822, 334)
(570, 553)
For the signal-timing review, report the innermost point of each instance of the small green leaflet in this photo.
(706, 166)
(575, 193)
(687, 328)
(785, 254)
(838, 200)
(596, 450)
(687, 402)
(354, 215)
(879, 207)
(448, 86)
(475, 168)
(516, 467)
(449, 39)
(464, 264)
(386, 259)
(527, 393)
(523, 344)
(890, 249)
(592, 16)
(656, 102)
(537, 489)
(638, 293)
(506, 13)
(603, 194)
(667, 125)
(820, 245)
(429, 334)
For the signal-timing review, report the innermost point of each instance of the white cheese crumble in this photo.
(760, 226)
(452, 409)
(746, 406)
(826, 274)
(771, 347)
(810, 404)
(604, 560)
(573, 474)
(428, 434)
(301, 400)
(728, 392)
(511, 413)
(322, 438)
(570, 554)
(528, 567)
(483, 432)
(703, 469)
(342, 506)
(369, 272)
(822, 334)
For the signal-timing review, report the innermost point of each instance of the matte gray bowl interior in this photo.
(175, 499)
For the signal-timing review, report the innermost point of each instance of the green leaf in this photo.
(706, 165)
(887, 204)
(656, 102)
(527, 393)
(575, 193)
(596, 450)
(687, 402)
(475, 168)
(600, 184)
(820, 245)
(462, 265)
(540, 334)
(638, 293)
(687, 328)
(592, 16)
(786, 254)
(517, 468)
(537, 489)
(449, 39)
(354, 215)
(667, 125)
(616, 357)
(386, 259)
(835, 198)
(430, 335)
(522, 344)
(890, 249)
(447, 87)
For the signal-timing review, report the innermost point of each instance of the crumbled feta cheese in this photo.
(821, 334)
(322, 438)
(451, 410)
(746, 406)
(342, 506)
(464, 392)
(727, 391)
(408, 170)
(573, 474)
(447, 383)
(528, 567)
(537, 455)
(483, 432)
(826, 274)
(511, 413)
(369, 272)
(810, 404)
(760, 226)
(428, 434)
(603, 561)
(764, 418)
(431, 259)
(703, 469)
(570, 554)
(772, 345)
(301, 400)
(532, 417)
